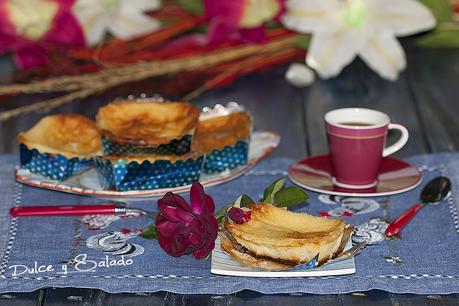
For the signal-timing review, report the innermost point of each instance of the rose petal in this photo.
(171, 199)
(197, 198)
(203, 252)
(194, 239)
(166, 229)
(184, 216)
(210, 204)
(171, 213)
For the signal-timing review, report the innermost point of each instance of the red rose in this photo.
(187, 229)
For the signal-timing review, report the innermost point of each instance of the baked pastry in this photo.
(223, 135)
(70, 135)
(148, 172)
(218, 132)
(275, 238)
(60, 146)
(147, 126)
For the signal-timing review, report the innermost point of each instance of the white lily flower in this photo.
(344, 29)
(124, 19)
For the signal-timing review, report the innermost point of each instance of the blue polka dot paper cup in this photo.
(228, 158)
(52, 166)
(111, 147)
(223, 134)
(128, 173)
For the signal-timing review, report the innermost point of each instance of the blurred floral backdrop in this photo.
(79, 47)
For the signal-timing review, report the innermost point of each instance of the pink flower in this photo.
(31, 28)
(243, 20)
(187, 229)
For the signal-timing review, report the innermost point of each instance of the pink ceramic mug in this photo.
(356, 139)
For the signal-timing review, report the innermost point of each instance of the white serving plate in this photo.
(261, 144)
(223, 264)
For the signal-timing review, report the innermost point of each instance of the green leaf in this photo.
(246, 200)
(303, 41)
(290, 196)
(193, 6)
(222, 212)
(149, 232)
(441, 38)
(221, 220)
(270, 191)
(441, 9)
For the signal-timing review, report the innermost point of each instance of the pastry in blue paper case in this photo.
(60, 146)
(223, 134)
(124, 173)
(137, 127)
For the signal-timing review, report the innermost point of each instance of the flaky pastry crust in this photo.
(70, 135)
(218, 132)
(148, 122)
(279, 234)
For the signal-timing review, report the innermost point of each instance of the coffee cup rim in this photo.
(385, 122)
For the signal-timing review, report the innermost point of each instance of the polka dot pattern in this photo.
(175, 147)
(52, 166)
(123, 176)
(228, 158)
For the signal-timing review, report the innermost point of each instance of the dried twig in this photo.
(84, 85)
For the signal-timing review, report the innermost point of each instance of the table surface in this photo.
(425, 99)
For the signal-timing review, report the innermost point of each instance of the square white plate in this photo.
(223, 264)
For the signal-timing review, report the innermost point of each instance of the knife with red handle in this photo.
(76, 210)
(29, 211)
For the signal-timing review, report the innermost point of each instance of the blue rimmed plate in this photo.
(87, 183)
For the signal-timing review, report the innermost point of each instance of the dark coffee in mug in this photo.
(356, 123)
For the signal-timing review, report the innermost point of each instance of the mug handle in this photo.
(400, 143)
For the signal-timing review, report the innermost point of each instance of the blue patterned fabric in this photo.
(52, 166)
(63, 252)
(124, 176)
(228, 158)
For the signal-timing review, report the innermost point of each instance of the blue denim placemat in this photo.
(36, 251)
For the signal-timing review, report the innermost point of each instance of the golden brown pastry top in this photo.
(146, 122)
(221, 131)
(70, 135)
(275, 226)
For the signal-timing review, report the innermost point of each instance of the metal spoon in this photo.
(433, 193)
